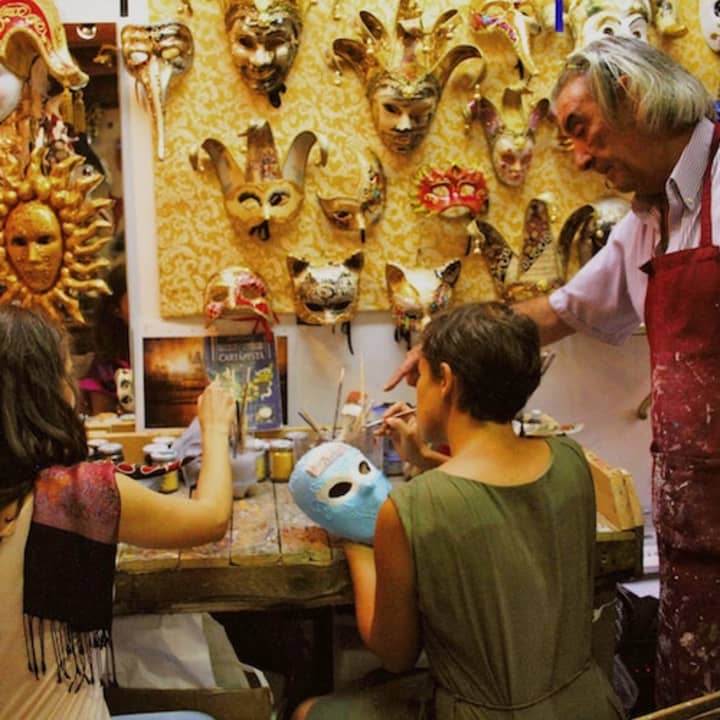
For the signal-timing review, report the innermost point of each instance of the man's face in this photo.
(264, 52)
(402, 116)
(622, 156)
(34, 245)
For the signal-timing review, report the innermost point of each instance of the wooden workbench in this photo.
(274, 557)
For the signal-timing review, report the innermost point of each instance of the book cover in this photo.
(235, 358)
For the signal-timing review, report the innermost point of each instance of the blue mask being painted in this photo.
(340, 489)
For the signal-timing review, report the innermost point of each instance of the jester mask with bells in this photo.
(263, 195)
(517, 21)
(325, 294)
(154, 55)
(354, 214)
(710, 23)
(416, 294)
(29, 28)
(590, 21)
(238, 293)
(510, 134)
(264, 37)
(335, 485)
(404, 76)
(51, 230)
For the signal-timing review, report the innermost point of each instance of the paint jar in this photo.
(151, 448)
(169, 482)
(93, 444)
(281, 460)
(164, 440)
(301, 443)
(112, 451)
(243, 470)
(262, 448)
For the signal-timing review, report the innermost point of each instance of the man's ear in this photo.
(447, 381)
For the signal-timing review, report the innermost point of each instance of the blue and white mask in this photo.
(340, 489)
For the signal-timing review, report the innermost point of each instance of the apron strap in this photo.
(706, 202)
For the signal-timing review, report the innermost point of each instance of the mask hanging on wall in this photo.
(536, 269)
(453, 193)
(29, 28)
(335, 485)
(404, 76)
(710, 23)
(264, 37)
(154, 55)
(510, 134)
(416, 294)
(356, 214)
(622, 18)
(51, 231)
(586, 230)
(517, 21)
(326, 294)
(238, 293)
(263, 195)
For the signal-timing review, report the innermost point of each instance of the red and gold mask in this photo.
(453, 192)
(238, 293)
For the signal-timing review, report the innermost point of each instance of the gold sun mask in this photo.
(51, 230)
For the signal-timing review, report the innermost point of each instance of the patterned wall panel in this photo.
(195, 237)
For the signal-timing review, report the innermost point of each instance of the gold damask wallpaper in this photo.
(194, 235)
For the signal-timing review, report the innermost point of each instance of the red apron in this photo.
(682, 315)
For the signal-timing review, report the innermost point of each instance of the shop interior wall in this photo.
(589, 382)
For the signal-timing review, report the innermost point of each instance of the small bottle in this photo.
(112, 451)
(281, 460)
(169, 482)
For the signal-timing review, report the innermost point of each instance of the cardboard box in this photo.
(220, 703)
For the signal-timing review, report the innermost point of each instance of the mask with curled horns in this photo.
(264, 194)
(403, 79)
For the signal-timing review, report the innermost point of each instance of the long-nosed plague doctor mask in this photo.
(154, 55)
(404, 75)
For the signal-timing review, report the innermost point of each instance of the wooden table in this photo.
(274, 557)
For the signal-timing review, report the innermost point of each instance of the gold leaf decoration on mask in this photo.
(51, 231)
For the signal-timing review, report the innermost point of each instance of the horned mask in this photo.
(29, 28)
(517, 21)
(416, 294)
(263, 195)
(404, 76)
(510, 135)
(264, 37)
(154, 55)
(325, 294)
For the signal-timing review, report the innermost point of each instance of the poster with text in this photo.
(240, 360)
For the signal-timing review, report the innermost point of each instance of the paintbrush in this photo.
(380, 421)
(338, 400)
(310, 422)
